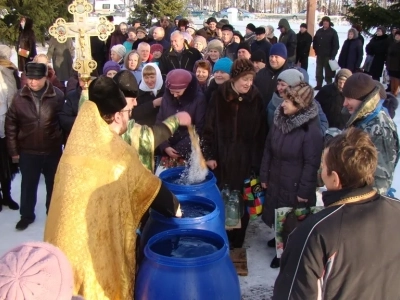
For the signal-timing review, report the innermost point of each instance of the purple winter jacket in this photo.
(193, 102)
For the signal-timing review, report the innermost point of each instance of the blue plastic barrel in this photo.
(211, 220)
(207, 189)
(184, 264)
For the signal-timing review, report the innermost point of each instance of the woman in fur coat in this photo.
(234, 134)
(292, 154)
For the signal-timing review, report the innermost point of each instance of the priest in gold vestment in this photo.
(101, 191)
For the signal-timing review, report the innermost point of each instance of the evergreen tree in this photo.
(370, 15)
(42, 12)
(149, 9)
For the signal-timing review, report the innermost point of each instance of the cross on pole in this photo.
(82, 29)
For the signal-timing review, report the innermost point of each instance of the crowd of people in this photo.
(251, 103)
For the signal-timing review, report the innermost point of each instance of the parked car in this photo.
(201, 14)
(302, 13)
(223, 13)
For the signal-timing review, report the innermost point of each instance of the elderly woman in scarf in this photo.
(151, 90)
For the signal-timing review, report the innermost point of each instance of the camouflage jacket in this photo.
(371, 118)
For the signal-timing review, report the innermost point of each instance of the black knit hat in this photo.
(108, 97)
(127, 83)
(244, 45)
(359, 86)
(259, 55)
(227, 27)
(259, 30)
(304, 25)
(211, 19)
(242, 67)
(251, 27)
(35, 70)
(237, 33)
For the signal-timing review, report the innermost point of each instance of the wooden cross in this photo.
(82, 29)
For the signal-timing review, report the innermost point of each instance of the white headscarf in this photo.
(159, 80)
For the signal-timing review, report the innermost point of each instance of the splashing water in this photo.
(196, 169)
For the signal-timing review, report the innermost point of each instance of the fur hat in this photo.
(111, 66)
(119, 49)
(178, 79)
(35, 70)
(278, 49)
(301, 94)
(245, 46)
(222, 22)
(382, 90)
(211, 20)
(242, 67)
(224, 65)
(227, 27)
(215, 44)
(106, 94)
(359, 86)
(36, 270)
(292, 77)
(325, 18)
(259, 30)
(127, 83)
(5, 52)
(259, 56)
(251, 27)
(156, 47)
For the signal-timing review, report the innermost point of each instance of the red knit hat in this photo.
(156, 47)
(178, 79)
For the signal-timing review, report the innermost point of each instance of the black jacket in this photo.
(170, 60)
(266, 80)
(393, 57)
(230, 51)
(326, 43)
(262, 45)
(351, 55)
(378, 47)
(331, 100)
(288, 38)
(70, 111)
(304, 41)
(145, 113)
(346, 251)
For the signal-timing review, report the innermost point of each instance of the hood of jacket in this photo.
(288, 123)
(355, 33)
(367, 106)
(28, 25)
(285, 24)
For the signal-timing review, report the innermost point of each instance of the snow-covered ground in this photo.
(258, 284)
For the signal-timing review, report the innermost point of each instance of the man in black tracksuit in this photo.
(304, 41)
(349, 250)
(326, 47)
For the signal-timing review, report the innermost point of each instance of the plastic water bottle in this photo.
(225, 193)
(232, 209)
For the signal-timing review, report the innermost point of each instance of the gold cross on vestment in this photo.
(82, 29)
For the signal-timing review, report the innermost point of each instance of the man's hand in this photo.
(184, 118)
(301, 199)
(157, 102)
(171, 152)
(212, 164)
(15, 159)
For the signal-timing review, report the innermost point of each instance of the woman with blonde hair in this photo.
(133, 63)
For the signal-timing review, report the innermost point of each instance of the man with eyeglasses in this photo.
(101, 193)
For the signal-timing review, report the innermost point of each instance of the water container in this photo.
(207, 189)
(211, 220)
(200, 268)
